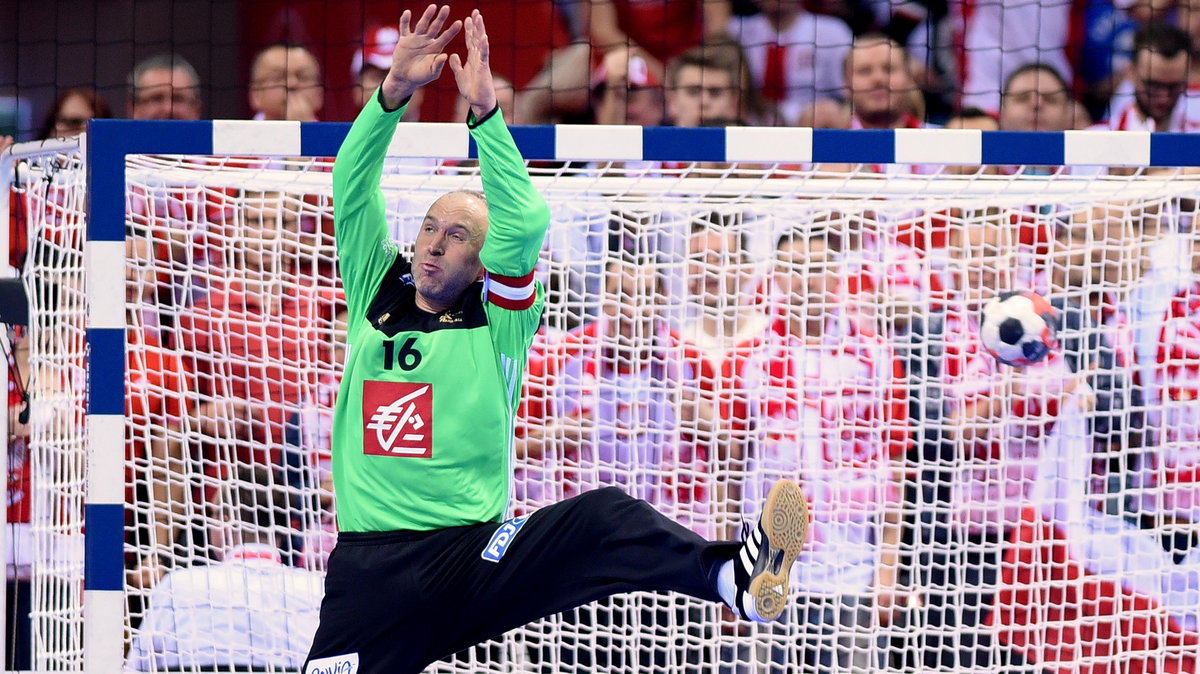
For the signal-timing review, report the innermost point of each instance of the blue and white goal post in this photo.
(238, 218)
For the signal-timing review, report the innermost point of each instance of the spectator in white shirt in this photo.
(163, 86)
(794, 56)
(248, 610)
(999, 37)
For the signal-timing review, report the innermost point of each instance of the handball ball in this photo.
(1019, 328)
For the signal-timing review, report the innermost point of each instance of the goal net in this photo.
(709, 329)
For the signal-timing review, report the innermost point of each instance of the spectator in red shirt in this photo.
(821, 401)
(728, 316)
(626, 91)
(721, 280)
(1175, 471)
(662, 28)
(997, 420)
(371, 64)
(252, 344)
(155, 405)
(623, 371)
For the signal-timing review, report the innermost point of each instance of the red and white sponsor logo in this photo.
(398, 419)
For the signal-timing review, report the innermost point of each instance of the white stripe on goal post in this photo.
(597, 143)
(241, 137)
(768, 144)
(939, 146)
(1106, 148)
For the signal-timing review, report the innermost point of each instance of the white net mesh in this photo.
(47, 454)
(752, 322)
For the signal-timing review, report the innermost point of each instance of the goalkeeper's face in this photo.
(446, 254)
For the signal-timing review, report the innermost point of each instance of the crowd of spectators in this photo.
(813, 365)
(791, 58)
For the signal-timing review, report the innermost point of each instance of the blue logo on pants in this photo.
(496, 547)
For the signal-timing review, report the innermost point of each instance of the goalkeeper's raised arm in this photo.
(365, 251)
(509, 223)
(517, 214)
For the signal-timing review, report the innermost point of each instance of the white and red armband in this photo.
(515, 293)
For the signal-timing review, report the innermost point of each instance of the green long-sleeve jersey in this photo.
(423, 426)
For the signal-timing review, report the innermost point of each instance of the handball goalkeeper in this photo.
(423, 427)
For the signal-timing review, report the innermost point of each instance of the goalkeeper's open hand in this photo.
(418, 57)
(475, 76)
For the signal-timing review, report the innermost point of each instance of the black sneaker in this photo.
(765, 561)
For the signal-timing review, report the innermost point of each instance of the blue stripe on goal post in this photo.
(110, 141)
(1174, 149)
(103, 523)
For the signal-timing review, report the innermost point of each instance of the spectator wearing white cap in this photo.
(627, 90)
(371, 64)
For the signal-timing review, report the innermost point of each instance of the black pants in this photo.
(402, 600)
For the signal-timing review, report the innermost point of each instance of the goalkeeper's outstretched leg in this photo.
(398, 601)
